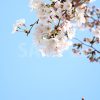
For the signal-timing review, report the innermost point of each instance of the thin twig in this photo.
(31, 26)
(87, 45)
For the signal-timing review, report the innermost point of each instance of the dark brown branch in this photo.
(31, 26)
(58, 23)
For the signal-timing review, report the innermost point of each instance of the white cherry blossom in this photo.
(67, 5)
(96, 31)
(19, 23)
(58, 24)
(35, 4)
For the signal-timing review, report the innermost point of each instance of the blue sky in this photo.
(28, 76)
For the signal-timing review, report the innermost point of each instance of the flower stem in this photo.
(31, 26)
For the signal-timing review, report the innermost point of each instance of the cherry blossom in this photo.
(19, 23)
(57, 26)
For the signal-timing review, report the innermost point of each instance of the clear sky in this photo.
(26, 75)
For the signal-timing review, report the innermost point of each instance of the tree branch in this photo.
(87, 45)
(31, 26)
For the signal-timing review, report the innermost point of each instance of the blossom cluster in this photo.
(58, 22)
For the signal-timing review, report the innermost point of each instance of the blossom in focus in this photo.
(58, 24)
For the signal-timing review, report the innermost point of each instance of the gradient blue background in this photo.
(26, 75)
